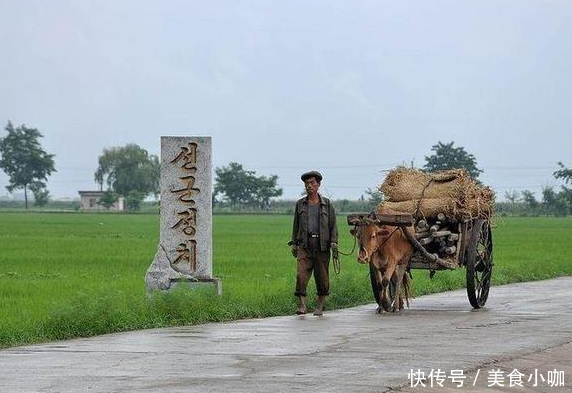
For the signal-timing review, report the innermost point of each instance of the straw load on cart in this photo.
(440, 203)
(426, 195)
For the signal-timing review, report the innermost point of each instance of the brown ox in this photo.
(388, 252)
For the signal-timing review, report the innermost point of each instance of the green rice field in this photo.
(75, 275)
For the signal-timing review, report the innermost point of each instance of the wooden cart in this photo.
(473, 251)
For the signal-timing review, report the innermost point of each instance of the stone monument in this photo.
(184, 253)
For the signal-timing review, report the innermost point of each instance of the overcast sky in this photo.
(350, 88)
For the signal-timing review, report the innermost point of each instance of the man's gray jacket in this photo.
(328, 230)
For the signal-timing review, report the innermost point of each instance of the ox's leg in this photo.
(386, 298)
(398, 299)
(377, 268)
(394, 283)
(406, 287)
(378, 280)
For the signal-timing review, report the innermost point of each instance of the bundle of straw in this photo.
(425, 195)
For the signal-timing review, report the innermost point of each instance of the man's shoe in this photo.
(320, 306)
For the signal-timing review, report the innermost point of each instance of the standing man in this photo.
(313, 235)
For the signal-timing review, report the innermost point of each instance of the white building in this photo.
(89, 201)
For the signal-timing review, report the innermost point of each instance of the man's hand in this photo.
(335, 250)
(294, 250)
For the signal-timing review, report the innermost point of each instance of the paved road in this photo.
(540, 373)
(352, 350)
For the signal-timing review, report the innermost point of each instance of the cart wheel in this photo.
(376, 285)
(479, 262)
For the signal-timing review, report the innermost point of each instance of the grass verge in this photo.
(74, 275)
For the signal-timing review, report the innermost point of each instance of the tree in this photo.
(234, 183)
(266, 189)
(41, 197)
(133, 201)
(375, 197)
(448, 157)
(512, 196)
(129, 171)
(23, 159)
(108, 199)
(563, 173)
(240, 187)
(530, 200)
(343, 205)
(554, 202)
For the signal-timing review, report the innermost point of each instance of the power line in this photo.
(386, 166)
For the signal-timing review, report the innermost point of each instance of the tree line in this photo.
(554, 202)
(132, 173)
(124, 171)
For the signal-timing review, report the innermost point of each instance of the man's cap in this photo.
(310, 174)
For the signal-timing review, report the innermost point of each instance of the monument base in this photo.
(163, 276)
